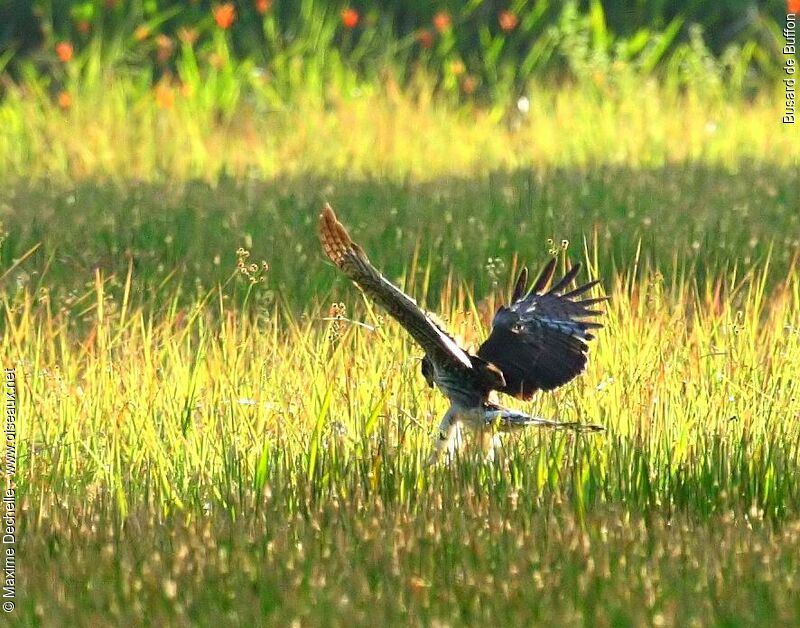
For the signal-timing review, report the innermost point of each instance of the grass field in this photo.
(199, 446)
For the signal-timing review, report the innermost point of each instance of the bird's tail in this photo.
(513, 419)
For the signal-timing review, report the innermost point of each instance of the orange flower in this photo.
(64, 51)
(457, 67)
(350, 17)
(165, 95)
(425, 38)
(793, 6)
(508, 21)
(64, 99)
(187, 35)
(262, 6)
(224, 15)
(442, 21)
(83, 27)
(141, 33)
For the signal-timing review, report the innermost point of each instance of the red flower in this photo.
(83, 27)
(469, 83)
(350, 17)
(164, 47)
(793, 6)
(262, 6)
(425, 38)
(442, 21)
(224, 15)
(64, 51)
(508, 21)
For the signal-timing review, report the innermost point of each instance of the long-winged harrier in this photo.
(538, 342)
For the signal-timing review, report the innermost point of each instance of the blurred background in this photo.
(478, 48)
(269, 75)
(177, 131)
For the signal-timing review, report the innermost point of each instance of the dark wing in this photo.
(352, 260)
(539, 341)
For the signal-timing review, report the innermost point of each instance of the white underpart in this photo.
(455, 442)
(444, 440)
(488, 425)
(449, 437)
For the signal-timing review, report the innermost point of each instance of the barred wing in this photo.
(539, 341)
(352, 260)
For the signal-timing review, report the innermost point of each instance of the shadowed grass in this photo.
(687, 221)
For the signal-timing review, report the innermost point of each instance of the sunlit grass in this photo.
(116, 130)
(162, 402)
(172, 449)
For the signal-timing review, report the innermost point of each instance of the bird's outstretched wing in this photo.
(539, 340)
(352, 260)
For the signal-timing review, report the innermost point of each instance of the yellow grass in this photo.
(379, 131)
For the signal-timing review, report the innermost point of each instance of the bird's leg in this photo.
(490, 442)
(487, 443)
(444, 436)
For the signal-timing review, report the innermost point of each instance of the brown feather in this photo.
(351, 259)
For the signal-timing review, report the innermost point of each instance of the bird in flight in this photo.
(537, 342)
